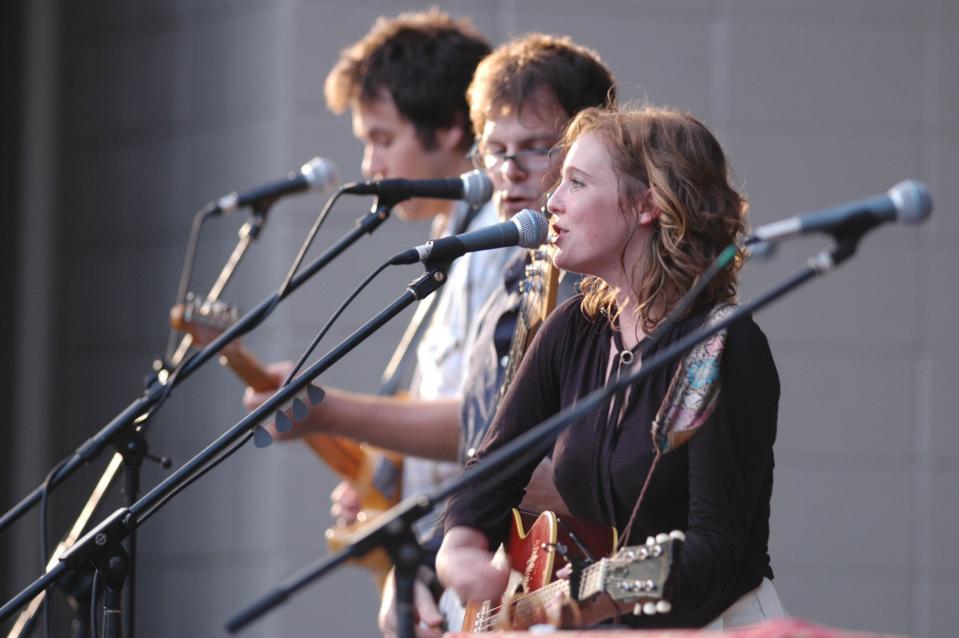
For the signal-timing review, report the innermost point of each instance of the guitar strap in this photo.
(399, 371)
(694, 391)
(691, 398)
(398, 374)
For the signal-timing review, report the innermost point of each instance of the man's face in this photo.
(392, 149)
(521, 181)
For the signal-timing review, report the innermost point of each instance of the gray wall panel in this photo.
(164, 106)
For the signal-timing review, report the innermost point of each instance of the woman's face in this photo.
(589, 228)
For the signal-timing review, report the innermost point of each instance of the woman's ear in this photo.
(649, 212)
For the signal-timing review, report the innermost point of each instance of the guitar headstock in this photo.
(638, 575)
(203, 319)
(540, 285)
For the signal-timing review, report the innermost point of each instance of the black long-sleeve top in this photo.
(716, 488)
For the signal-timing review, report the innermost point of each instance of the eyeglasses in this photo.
(527, 159)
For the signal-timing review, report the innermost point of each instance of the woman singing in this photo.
(644, 205)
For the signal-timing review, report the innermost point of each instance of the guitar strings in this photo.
(522, 604)
(527, 605)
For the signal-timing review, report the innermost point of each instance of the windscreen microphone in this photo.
(474, 188)
(526, 229)
(318, 174)
(908, 202)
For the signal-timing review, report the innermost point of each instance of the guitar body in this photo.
(533, 557)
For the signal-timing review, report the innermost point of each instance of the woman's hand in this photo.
(463, 565)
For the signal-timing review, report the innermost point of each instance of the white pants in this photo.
(754, 607)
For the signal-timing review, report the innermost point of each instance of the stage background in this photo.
(125, 117)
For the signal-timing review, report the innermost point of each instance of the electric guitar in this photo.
(634, 578)
(373, 472)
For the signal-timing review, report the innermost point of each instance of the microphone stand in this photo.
(248, 233)
(103, 546)
(131, 446)
(92, 447)
(393, 529)
(132, 453)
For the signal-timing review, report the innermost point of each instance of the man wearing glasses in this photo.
(520, 100)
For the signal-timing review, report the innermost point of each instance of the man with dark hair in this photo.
(405, 85)
(520, 100)
(418, 63)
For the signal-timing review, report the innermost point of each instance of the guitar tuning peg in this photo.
(677, 535)
(283, 423)
(663, 607)
(662, 538)
(650, 540)
(261, 438)
(647, 609)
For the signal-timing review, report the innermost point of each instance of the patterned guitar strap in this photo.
(691, 398)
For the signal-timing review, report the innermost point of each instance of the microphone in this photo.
(474, 187)
(908, 202)
(526, 229)
(317, 174)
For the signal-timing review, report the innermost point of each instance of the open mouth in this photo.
(555, 233)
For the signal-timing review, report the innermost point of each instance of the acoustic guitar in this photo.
(539, 289)
(373, 472)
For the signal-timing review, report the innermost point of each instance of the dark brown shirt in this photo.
(717, 488)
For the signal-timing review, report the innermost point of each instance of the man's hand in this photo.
(278, 371)
(425, 614)
(346, 503)
(314, 423)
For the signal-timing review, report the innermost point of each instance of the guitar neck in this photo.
(539, 299)
(347, 458)
(247, 367)
(530, 609)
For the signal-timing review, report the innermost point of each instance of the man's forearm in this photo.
(428, 429)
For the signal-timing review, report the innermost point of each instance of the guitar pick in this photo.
(315, 394)
(283, 423)
(300, 409)
(261, 438)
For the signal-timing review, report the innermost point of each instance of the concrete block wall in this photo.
(167, 105)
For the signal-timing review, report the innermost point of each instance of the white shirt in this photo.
(440, 355)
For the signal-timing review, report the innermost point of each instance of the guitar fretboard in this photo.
(529, 609)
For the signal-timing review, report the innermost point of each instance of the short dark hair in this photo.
(424, 59)
(517, 72)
